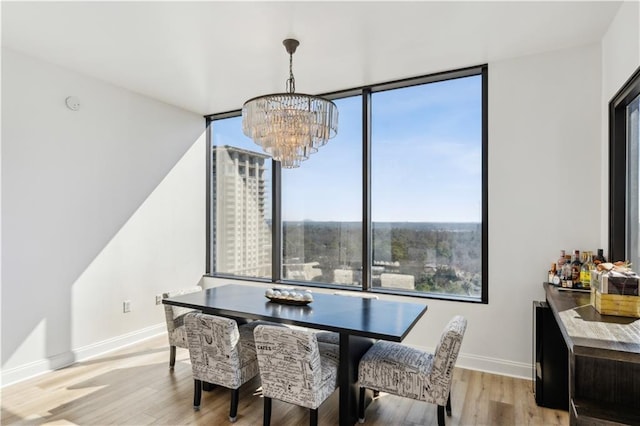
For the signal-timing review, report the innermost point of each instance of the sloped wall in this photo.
(99, 205)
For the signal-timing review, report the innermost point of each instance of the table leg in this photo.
(352, 348)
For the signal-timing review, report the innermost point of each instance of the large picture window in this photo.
(426, 189)
(240, 203)
(395, 203)
(322, 208)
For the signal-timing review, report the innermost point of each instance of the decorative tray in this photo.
(289, 296)
(288, 301)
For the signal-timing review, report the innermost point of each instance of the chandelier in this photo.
(290, 126)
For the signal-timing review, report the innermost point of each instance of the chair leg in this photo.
(197, 394)
(363, 391)
(440, 415)
(233, 412)
(313, 417)
(449, 405)
(266, 419)
(172, 356)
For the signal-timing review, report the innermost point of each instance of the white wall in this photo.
(100, 205)
(620, 49)
(543, 183)
(620, 58)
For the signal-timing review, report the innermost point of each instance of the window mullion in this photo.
(367, 251)
(209, 213)
(276, 222)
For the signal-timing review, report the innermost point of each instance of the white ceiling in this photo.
(209, 57)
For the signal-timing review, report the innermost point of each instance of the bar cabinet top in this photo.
(589, 333)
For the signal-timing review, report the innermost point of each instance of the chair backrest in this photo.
(446, 354)
(290, 365)
(172, 313)
(214, 345)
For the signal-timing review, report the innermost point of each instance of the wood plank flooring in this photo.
(134, 386)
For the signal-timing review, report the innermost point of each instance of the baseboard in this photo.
(109, 345)
(23, 372)
(520, 370)
(502, 367)
(473, 362)
(55, 362)
(61, 360)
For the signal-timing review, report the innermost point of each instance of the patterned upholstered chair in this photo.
(295, 368)
(174, 316)
(332, 337)
(412, 373)
(222, 353)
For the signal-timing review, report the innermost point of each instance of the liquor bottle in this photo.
(599, 258)
(585, 271)
(576, 265)
(567, 281)
(552, 273)
(561, 259)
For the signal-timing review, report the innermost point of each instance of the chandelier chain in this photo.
(291, 82)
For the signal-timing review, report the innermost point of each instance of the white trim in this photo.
(24, 372)
(109, 345)
(473, 362)
(36, 368)
(61, 360)
(502, 367)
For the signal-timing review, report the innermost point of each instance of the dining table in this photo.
(358, 321)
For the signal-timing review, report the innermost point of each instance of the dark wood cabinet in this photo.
(551, 360)
(603, 360)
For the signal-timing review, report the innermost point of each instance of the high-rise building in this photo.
(241, 233)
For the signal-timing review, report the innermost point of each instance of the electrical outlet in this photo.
(126, 306)
(158, 299)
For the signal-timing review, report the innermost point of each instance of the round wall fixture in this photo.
(73, 103)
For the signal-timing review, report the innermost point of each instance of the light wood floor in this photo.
(134, 386)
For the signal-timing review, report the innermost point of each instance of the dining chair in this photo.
(333, 337)
(174, 316)
(404, 371)
(295, 368)
(222, 353)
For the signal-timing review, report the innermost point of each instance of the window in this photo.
(240, 218)
(322, 207)
(426, 190)
(624, 176)
(395, 203)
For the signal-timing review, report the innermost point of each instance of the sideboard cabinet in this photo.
(603, 360)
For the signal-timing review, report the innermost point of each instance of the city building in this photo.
(240, 229)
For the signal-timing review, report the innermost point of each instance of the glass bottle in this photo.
(599, 258)
(552, 273)
(561, 259)
(585, 271)
(566, 272)
(576, 266)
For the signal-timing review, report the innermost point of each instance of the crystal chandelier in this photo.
(290, 126)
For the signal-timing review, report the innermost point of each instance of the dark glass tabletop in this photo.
(377, 319)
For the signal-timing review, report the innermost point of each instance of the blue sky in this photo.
(426, 158)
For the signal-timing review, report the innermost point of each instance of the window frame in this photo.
(367, 247)
(618, 165)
